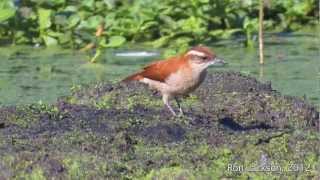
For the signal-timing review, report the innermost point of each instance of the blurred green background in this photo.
(165, 23)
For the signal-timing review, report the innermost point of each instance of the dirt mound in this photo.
(123, 130)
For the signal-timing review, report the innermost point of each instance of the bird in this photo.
(177, 76)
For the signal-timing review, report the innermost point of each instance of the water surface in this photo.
(29, 75)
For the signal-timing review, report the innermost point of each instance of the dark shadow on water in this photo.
(233, 125)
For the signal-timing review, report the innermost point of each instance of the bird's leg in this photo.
(178, 103)
(165, 99)
(162, 87)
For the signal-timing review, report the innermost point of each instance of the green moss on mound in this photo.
(232, 125)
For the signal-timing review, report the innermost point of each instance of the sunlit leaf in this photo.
(110, 3)
(7, 10)
(60, 19)
(148, 25)
(71, 8)
(44, 18)
(89, 4)
(92, 22)
(116, 41)
(161, 41)
(73, 20)
(57, 2)
(49, 41)
(65, 38)
(54, 34)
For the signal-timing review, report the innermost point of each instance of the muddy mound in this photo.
(234, 82)
(223, 95)
(124, 131)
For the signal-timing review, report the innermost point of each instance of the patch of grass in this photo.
(106, 101)
(169, 173)
(84, 166)
(144, 100)
(75, 168)
(37, 173)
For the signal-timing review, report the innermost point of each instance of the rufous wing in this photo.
(158, 70)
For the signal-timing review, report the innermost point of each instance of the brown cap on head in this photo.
(201, 50)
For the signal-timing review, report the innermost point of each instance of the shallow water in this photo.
(29, 75)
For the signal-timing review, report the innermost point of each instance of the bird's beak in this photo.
(218, 62)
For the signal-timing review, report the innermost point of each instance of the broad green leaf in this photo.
(73, 21)
(20, 37)
(216, 33)
(61, 20)
(116, 41)
(71, 8)
(224, 34)
(65, 38)
(57, 2)
(161, 41)
(89, 4)
(44, 18)
(5, 14)
(7, 10)
(49, 41)
(54, 34)
(92, 22)
(169, 52)
(149, 24)
(110, 3)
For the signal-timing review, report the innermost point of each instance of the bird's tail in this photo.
(133, 77)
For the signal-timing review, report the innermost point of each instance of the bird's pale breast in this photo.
(184, 81)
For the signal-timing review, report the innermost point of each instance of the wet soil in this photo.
(124, 131)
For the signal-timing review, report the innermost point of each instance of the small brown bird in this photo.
(177, 76)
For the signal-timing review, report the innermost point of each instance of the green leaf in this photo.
(224, 34)
(54, 34)
(73, 21)
(57, 2)
(169, 52)
(44, 18)
(71, 8)
(148, 25)
(92, 22)
(116, 41)
(5, 14)
(161, 41)
(89, 4)
(20, 37)
(49, 41)
(7, 10)
(65, 38)
(110, 3)
(60, 20)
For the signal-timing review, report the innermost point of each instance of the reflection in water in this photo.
(261, 71)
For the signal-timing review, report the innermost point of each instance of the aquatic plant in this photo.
(173, 23)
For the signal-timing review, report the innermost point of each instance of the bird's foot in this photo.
(171, 110)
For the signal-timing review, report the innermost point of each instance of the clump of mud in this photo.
(225, 95)
(124, 131)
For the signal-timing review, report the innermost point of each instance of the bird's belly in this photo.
(181, 83)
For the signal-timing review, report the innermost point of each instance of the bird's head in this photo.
(202, 57)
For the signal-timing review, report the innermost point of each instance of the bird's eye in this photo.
(205, 58)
